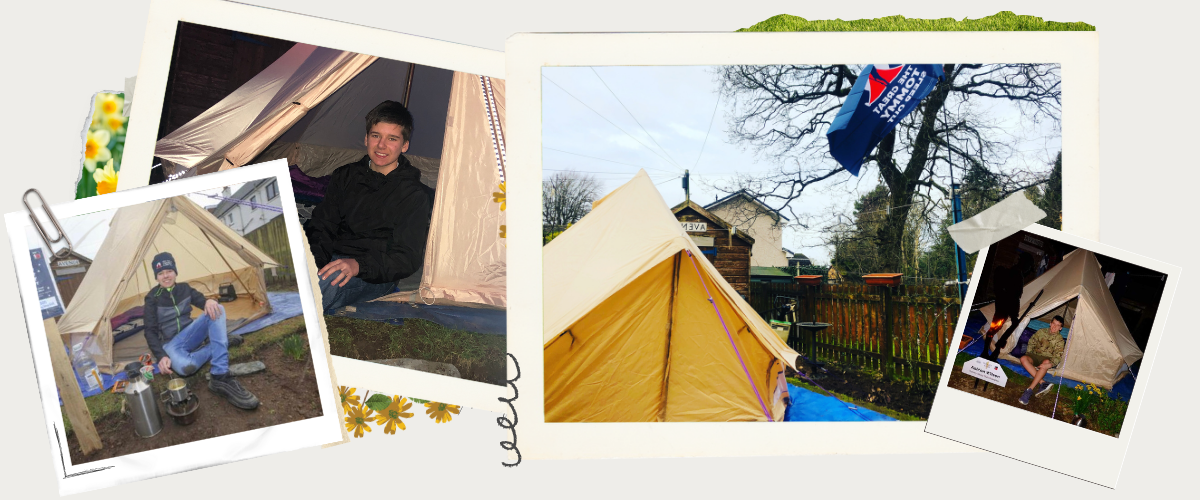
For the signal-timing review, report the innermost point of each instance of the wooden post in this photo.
(68, 388)
(888, 364)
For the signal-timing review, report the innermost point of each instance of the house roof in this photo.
(744, 195)
(712, 217)
(242, 193)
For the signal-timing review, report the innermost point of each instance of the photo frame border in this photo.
(1078, 52)
(1082, 453)
(157, 51)
(315, 431)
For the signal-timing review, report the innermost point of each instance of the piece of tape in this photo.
(996, 223)
(129, 84)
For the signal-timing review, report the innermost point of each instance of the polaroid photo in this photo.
(707, 259)
(396, 150)
(194, 343)
(1057, 344)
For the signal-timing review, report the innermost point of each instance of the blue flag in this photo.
(880, 98)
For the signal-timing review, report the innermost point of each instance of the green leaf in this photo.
(378, 402)
(418, 401)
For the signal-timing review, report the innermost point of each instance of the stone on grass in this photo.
(242, 369)
(433, 367)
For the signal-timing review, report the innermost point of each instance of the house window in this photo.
(253, 202)
(272, 191)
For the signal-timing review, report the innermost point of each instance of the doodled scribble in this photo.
(511, 425)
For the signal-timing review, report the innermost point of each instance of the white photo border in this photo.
(1078, 52)
(157, 52)
(1077, 452)
(314, 431)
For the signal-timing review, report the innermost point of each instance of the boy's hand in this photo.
(164, 365)
(212, 308)
(348, 267)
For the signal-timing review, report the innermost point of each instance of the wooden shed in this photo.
(68, 274)
(727, 248)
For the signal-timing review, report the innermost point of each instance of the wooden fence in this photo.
(272, 239)
(902, 330)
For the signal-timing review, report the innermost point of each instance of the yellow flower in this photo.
(109, 104)
(1078, 397)
(357, 421)
(106, 178)
(503, 231)
(392, 414)
(349, 400)
(114, 122)
(500, 197)
(440, 412)
(95, 148)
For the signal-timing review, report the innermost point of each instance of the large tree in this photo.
(783, 112)
(566, 197)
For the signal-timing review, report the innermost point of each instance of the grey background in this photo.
(58, 54)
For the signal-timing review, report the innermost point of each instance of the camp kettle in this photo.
(140, 402)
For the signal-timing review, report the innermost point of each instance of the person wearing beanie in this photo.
(370, 229)
(178, 341)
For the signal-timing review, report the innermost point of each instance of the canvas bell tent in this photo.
(208, 254)
(631, 334)
(1099, 348)
(310, 105)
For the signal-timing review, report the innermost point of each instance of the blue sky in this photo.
(611, 121)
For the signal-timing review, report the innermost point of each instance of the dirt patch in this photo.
(904, 396)
(1041, 405)
(287, 391)
(479, 357)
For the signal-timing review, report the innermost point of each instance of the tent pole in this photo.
(226, 261)
(662, 417)
(408, 84)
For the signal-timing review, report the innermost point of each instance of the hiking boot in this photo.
(1024, 396)
(235, 340)
(226, 386)
(1043, 387)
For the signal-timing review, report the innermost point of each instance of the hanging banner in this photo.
(881, 97)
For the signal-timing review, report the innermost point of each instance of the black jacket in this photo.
(167, 312)
(379, 220)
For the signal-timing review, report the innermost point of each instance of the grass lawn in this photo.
(479, 357)
(107, 403)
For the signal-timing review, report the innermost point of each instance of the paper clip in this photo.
(62, 235)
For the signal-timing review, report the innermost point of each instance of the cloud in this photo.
(688, 132)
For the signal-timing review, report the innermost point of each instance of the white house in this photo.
(761, 222)
(253, 205)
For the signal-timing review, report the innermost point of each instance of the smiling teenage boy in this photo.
(175, 338)
(370, 229)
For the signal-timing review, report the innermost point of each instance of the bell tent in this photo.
(640, 327)
(208, 255)
(310, 105)
(1099, 348)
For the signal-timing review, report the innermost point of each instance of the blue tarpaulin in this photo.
(471, 319)
(880, 98)
(284, 305)
(808, 406)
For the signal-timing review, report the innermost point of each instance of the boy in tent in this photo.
(1044, 351)
(370, 229)
(175, 338)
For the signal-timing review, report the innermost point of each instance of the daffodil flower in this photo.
(500, 197)
(440, 412)
(95, 149)
(106, 178)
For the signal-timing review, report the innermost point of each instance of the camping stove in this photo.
(182, 404)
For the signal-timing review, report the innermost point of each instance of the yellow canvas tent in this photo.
(207, 253)
(630, 333)
(1099, 347)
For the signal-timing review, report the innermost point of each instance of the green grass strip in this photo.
(1002, 21)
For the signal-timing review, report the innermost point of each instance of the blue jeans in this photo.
(182, 349)
(355, 291)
